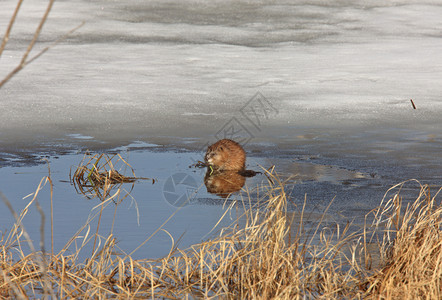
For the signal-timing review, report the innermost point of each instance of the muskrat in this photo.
(226, 155)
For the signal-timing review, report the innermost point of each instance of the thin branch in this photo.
(31, 44)
(58, 41)
(24, 60)
(8, 30)
(37, 33)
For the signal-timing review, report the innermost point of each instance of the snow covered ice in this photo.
(168, 72)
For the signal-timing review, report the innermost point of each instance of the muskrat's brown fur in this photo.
(226, 155)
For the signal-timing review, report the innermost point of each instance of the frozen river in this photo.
(321, 89)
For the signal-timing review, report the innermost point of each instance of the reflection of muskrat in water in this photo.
(224, 183)
(226, 155)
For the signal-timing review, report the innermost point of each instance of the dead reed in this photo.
(97, 175)
(264, 254)
(411, 248)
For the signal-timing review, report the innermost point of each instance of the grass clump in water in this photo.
(97, 175)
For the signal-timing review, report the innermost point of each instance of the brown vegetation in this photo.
(97, 175)
(263, 255)
(412, 262)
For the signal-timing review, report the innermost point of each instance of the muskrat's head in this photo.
(215, 156)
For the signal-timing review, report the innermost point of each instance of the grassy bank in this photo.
(265, 254)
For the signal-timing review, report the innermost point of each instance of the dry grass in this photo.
(262, 255)
(412, 262)
(97, 175)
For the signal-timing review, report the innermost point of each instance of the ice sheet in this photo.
(147, 70)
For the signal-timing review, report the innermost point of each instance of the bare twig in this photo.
(8, 30)
(24, 61)
(37, 33)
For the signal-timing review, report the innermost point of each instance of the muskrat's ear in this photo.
(221, 148)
